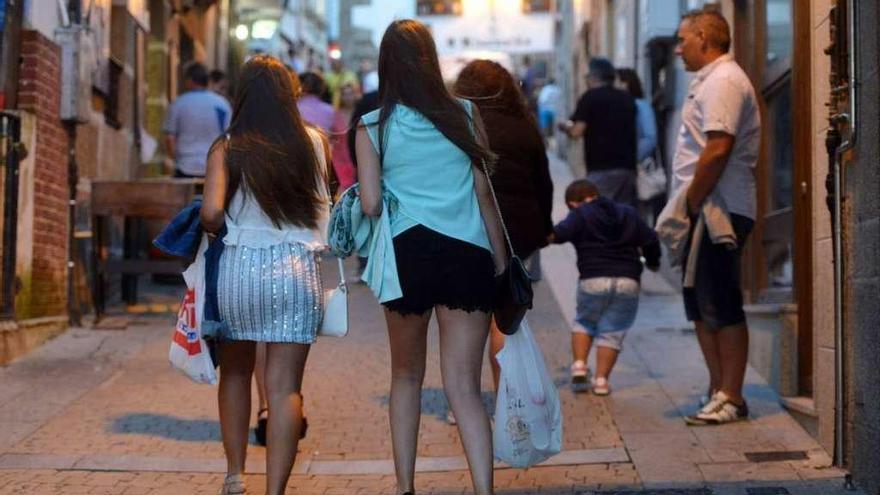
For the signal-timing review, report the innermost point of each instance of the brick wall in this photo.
(39, 94)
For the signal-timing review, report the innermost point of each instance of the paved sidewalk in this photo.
(101, 412)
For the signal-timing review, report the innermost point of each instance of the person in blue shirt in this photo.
(194, 121)
(610, 238)
(646, 135)
(420, 159)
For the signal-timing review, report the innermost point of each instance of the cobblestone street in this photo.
(102, 412)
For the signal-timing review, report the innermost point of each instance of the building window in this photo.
(438, 7)
(530, 6)
(114, 79)
(779, 30)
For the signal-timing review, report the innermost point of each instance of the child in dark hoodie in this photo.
(610, 239)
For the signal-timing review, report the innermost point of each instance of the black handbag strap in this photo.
(498, 209)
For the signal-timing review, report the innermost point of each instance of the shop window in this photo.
(779, 228)
(779, 30)
(529, 6)
(438, 7)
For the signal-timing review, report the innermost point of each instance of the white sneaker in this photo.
(718, 411)
(707, 397)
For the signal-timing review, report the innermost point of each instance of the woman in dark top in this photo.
(522, 173)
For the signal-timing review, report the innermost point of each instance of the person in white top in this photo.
(717, 151)
(266, 183)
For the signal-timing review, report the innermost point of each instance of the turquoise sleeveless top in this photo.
(431, 178)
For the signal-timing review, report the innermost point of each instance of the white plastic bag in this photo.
(189, 353)
(528, 417)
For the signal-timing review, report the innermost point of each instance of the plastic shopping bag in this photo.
(189, 353)
(528, 417)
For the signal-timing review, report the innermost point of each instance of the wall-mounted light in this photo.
(241, 32)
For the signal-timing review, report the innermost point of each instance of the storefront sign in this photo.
(513, 34)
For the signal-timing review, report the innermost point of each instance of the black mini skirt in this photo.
(438, 270)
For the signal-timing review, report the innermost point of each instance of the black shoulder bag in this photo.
(513, 287)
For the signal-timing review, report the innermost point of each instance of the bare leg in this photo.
(260, 375)
(234, 401)
(708, 340)
(606, 357)
(733, 344)
(462, 339)
(407, 336)
(496, 342)
(581, 344)
(284, 371)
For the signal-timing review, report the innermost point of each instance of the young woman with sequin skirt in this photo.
(267, 183)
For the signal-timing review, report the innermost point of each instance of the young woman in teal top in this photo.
(421, 149)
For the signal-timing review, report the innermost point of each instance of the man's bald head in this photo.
(713, 25)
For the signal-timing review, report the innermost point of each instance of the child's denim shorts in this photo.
(606, 309)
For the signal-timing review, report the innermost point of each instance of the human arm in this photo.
(722, 103)
(709, 168)
(652, 254)
(169, 132)
(647, 129)
(574, 129)
(170, 152)
(213, 210)
(566, 230)
(576, 125)
(369, 173)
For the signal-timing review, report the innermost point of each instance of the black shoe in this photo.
(260, 429)
(262, 424)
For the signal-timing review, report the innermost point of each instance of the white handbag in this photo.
(650, 179)
(335, 321)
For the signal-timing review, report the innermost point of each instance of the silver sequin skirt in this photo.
(271, 294)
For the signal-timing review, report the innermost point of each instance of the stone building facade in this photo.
(132, 53)
(789, 264)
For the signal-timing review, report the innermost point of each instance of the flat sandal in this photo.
(233, 484)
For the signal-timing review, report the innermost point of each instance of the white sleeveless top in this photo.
(247, 225)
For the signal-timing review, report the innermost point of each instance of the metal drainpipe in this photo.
(837, 215)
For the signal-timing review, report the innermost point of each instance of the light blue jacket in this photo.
(351, 231)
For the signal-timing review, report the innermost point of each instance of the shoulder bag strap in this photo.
(328, 166)
(498, 209)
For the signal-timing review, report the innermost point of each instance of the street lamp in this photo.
(241, 32)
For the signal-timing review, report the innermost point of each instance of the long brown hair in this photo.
(270, 153)
(491, 87)
(409, 74)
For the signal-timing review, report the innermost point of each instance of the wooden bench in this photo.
(134, 201)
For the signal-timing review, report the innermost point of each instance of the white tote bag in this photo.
(335, 322)
(528, 416)
(189, 353)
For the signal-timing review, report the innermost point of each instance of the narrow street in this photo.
(102, 412)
